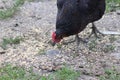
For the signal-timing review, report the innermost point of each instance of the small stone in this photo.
(118, 12)
(52, 52)
(2, 52)
(116, 55)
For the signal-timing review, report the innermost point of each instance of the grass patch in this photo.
(59, 46)
(10, 72)
(63, 74)
(110, 75)
(66, 74)
(7, 13)
(112, 39)
(10, 41)
(112, 5)
(109, 48)
(10, 11)
(41, 51)
(92, 45)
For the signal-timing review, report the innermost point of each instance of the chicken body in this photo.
(74, 15)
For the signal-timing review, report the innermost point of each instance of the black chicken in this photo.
(74, 15)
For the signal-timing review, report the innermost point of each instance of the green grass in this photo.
(59, 46)
(10, 41)
(112, 38)
(112, 5)
(92, 45)
(10, 72)
(10, 11)
(63, 74)
(66, 74)
(110, 75)
(108, 48)
(7, 13)
(41, 52)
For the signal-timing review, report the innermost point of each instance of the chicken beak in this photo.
(53, 43)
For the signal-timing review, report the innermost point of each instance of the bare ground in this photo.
(35, 21)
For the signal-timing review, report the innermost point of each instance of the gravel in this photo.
(35, 21)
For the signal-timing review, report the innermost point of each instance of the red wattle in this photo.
(54, 38)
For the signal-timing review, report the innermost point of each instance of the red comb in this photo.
(54, 38)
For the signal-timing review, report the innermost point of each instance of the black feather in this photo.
(74, 15)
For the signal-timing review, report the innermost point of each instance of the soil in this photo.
(35, 22)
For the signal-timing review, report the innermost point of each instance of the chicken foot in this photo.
(77, 40)
(95, 31)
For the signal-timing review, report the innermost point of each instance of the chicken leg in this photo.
(95, 31)
(77, 40)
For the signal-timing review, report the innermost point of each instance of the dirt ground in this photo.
(35, 22)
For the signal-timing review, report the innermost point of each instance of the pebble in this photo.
(116, 55)
(52, 52)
